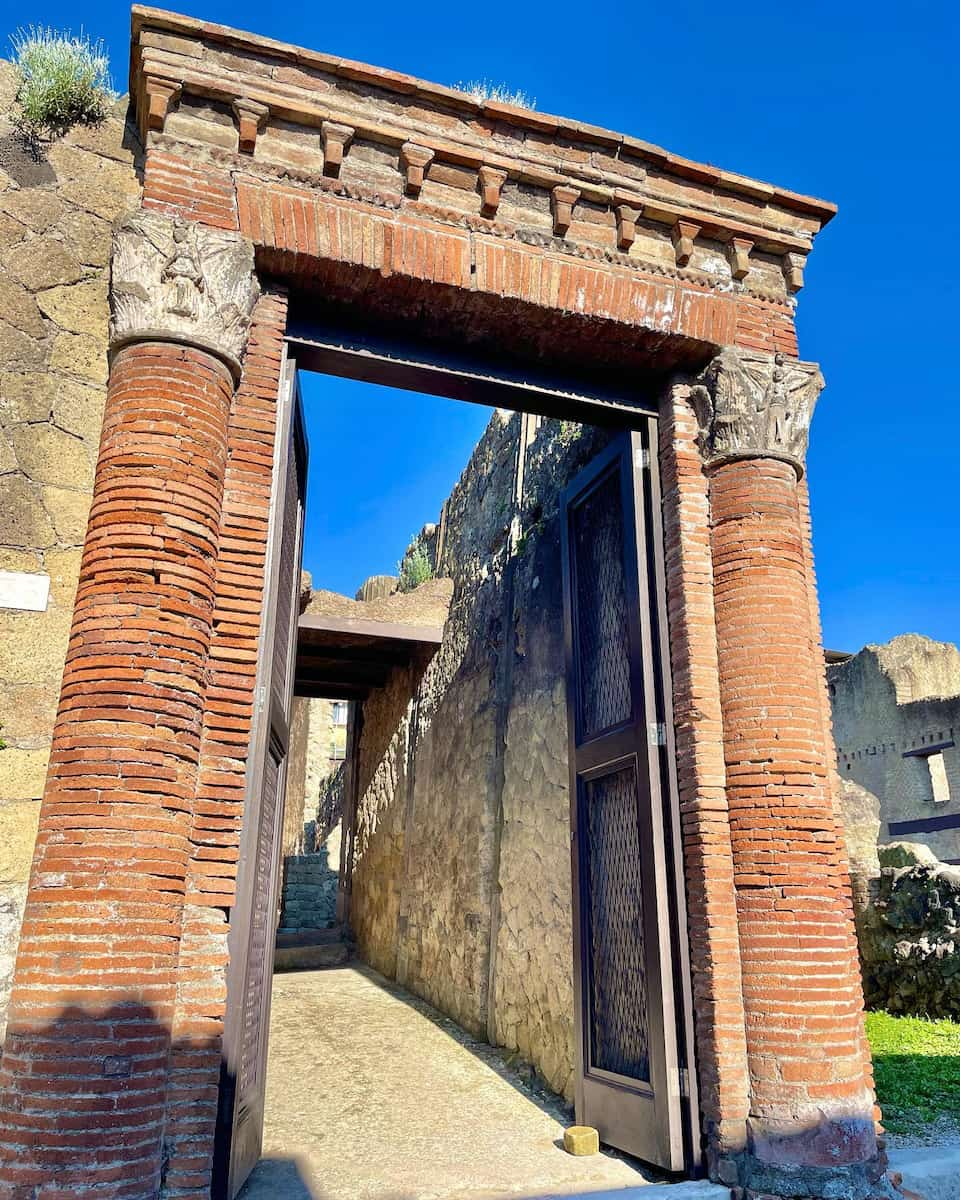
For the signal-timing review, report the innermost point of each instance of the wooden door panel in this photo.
(628, 1067)
(255, 913)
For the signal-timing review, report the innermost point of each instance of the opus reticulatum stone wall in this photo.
(305, 179)
(55, 235)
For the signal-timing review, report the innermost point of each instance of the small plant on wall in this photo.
(64, 81)
(415, 568)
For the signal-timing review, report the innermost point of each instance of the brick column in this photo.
(85, 1065)
(811, 1130)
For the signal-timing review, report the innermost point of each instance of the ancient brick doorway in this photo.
(274, 173)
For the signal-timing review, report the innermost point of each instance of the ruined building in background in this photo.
(896, 722)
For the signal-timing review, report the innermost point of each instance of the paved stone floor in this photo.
(372, 1095)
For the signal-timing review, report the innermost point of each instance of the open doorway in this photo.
(505, 822)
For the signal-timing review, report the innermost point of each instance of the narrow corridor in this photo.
(373, 1095)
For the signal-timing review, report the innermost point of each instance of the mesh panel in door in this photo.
(603, 649)
(262, 927)
(619, 1028)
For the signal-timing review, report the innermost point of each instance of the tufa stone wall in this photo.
(896, 721)
(55, 235)
(461, 870)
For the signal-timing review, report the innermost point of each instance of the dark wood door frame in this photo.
(633, 410)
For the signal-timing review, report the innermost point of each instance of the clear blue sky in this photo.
(852, 101)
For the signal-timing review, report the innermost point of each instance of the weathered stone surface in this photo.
(910, 941)
(12, 898)
(27, 712)
(21, 776)
(88, 235)
(906, 854)
(19, 308)
(26, 396)
(861, 827)
(18, 349)
(35, 209)
(64, 568)
(8, 460)
(33, 645)
(42, 262)
(94, 184)
(68, 511)
(49, 455)
(448, 832)
(23, 519)
(18, 830)
(80, 354)
(80, 308)
(78, 408)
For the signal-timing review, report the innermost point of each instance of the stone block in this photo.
(23, 519)
(26, 396)
(19, 308)
(37, 210)
(49, 455)
(19, 349)
(22, 775)
(68, 510)
(581, 1140)
(88, 235)
(78, 307)
(42, 262)
(78, 408)
(80, 354)
(32, 649)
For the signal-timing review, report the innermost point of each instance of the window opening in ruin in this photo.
(433, 851)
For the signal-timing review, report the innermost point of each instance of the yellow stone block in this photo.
(581, 1140)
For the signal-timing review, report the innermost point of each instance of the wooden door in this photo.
(254, 917)
(626, 938)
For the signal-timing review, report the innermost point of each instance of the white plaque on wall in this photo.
(25, 591)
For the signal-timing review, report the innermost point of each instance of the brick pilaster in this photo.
(810, 1109)
(711, 904)
(85, 1064)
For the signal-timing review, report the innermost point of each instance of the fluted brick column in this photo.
(85, 1065)
(810, 1126)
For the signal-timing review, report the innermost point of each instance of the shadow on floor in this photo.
(509, 1067)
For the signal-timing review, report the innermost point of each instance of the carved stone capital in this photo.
(753, 405)
(175, 281)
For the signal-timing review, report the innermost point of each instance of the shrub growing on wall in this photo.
(65, 81)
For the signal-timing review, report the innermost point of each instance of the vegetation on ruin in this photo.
(65, 81)
(415, 568)
(483, 89)
(916, 1065)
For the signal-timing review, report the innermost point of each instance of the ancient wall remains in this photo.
(461, 877)
(55, 231)
(896, 721)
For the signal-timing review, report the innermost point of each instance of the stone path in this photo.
(372, 1095)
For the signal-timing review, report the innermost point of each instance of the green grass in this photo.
(916, 1065)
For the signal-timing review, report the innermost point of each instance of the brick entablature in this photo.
(357, 184)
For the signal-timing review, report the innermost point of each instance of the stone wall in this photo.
(55, 235)
(461, 872)
(896, 721)
(314, 737)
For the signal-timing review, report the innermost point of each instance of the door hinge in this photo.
(261, 698)
(642, 458)
(684, 1075)
(658, 733)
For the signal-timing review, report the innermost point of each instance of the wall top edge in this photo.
(160, 20)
